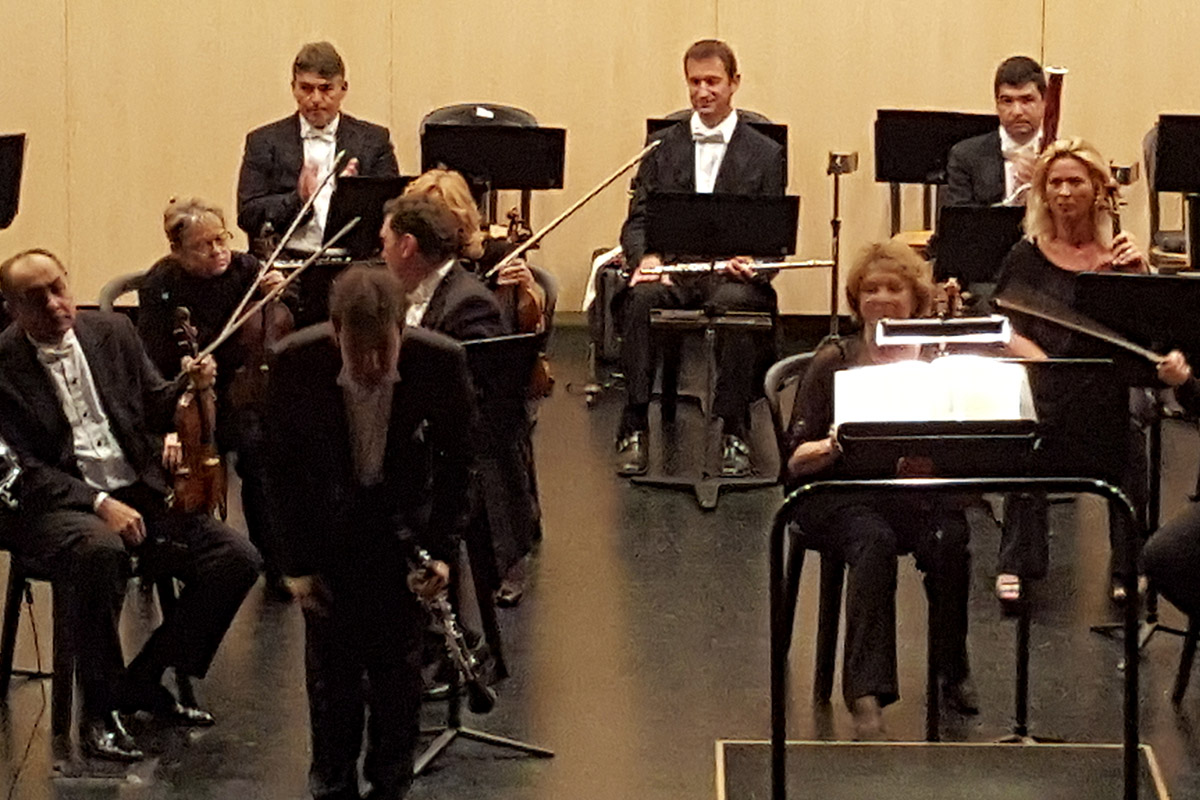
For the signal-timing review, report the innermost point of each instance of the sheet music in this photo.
(957, 388)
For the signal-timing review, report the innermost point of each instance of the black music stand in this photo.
(914, 146)
(1176, 169)
(973, 242)
(1156, 311)
(361, 197)
(12, 159)
(774, 131)
(710, 227)
(500, 368)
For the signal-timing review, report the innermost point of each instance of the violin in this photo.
(257, 336)
(526, 306)
(199, 481)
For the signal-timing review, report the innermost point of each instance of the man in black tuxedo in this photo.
(420, 246)
(995, 168)
(370, 431)
(79, 397)
(285, 161)
(715, 150)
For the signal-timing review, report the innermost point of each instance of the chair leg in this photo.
(62, 692)
(1183, 676)
(828, 621)
(12, 618)
(792, 572)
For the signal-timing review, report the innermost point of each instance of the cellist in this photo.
(201, 273)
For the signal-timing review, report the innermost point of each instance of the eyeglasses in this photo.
(218, 242)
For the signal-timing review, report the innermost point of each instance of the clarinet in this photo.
(10, 471)
(481, 698)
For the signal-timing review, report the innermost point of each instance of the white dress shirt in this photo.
(320, 148)
(368, 412)
(418, 299)
(101, 461)
(711, 144)
(1014, 192)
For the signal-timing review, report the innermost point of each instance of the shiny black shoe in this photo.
(158, 704)
(735, 457)
(632, 455)
(186, 716)
(107, 738)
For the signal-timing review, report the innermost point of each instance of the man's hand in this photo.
(1023, 163)
(914, 467)
(123, 520)
(310, 179)
(310, 591)
(738, 268)
(270, 281)
(203, 371)
(430, 581)
(172, 455)
(1174, 370)
(640, 275)
(351, 169)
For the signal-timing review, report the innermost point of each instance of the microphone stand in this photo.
(839, 164)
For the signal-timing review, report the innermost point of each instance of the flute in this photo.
(698, 267)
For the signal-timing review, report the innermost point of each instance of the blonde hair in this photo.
(451, 189)
(1039, 223)
(898, 258)
(184, 212)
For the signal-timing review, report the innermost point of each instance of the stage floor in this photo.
(643, 640)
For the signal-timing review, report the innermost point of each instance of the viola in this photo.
(199, 481)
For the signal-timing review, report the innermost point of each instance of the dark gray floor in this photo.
(642, 641)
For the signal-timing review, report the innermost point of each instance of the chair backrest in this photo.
(549, 285)
(470, 114)
(122, 284)
(780, 386)
(1172, 240)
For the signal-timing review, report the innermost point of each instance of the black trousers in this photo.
(738, 354)
(363, 653)
(217, 567)
(242, 432)
(869, 534)
(1171, 559)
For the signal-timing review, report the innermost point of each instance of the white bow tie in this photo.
(715, 137)
(52, 355)
(320, 135)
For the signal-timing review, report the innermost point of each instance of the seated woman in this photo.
(508, 478)
(1068, 231)
(202, 274)
(886, 280)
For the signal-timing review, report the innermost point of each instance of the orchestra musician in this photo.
(1068, 231)
(886, 280)
(714, 150)
(370, 442)
(995, 168)
(1171, 556)
(202, 274)
(286, 161)
(79, 396)
(509, 479)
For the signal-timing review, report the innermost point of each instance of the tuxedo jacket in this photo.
(318, 503)
(753, 165)
(975, 172)
(274, 157)
(140, 405)
(463, 308)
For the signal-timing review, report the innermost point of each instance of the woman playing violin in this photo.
(202, 274)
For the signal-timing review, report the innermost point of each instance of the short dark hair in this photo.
(713, 48)
(1018, 71)
(366, 300)
(6, 267)
(429, 221)
(321, 58)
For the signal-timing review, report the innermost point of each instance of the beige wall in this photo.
(126, 104)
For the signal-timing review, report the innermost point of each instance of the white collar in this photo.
(1008, 145)
(60, 349)
(307, 128)
(724, 127)
(424, 290)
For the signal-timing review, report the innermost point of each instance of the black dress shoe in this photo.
(735, 457)
(180, 714)
(157, 702)
(107, 738)
(512, 588)
(632, 456)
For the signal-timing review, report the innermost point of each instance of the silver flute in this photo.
(481, 698)
(698, 267)
(10, 472)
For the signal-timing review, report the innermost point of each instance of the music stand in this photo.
(500, 368)
(973, 242)
(914, 146)
(1177, 170)
(774, 131)
(362, 197)
(713, 226)
(12, 159)
(1155, 311)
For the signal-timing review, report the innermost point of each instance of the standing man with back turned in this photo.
(713, 150)
(996, 167)
(286, 161)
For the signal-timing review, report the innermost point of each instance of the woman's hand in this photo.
(516, 274)
(270, 281)
(1127, 256)
(172, 455)
(1174, 370)
(811, 457)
